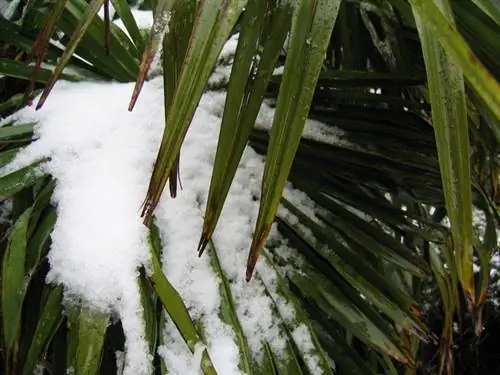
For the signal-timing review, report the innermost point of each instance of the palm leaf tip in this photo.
(147, 60)
(202, 244)
(257, 245)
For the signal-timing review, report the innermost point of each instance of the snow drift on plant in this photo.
(101, 156)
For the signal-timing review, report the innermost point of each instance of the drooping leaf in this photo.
(214, 22)
(49, 320)
(174, 306)
(441, 27)
(311, 29)
(332, 301)
(244, 97)
(228, 313)
(90, 331)
(490, 7)
(123, 10)
(18, 69)
(449, 111)
(160, 22)
(39, 48)
(16, 181)
(13, 290)
(78, 34)
(175, 43)
(38, 243)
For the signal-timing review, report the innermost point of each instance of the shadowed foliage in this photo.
(393, 265)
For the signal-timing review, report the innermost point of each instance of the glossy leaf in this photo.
(160, 22)
(19, 70)
(439, 24)
(211, 29)
(174, 306)
(48, 322)
(311, 29)
(244, 97)
(80, 30)
(91, 330)
(16, 181)
(447, 96)
(13, 290)
(124, 11)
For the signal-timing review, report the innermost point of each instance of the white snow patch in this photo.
(8, 8)
(143, 19)
(101, 157)
(229, 49)
(302, 338)
(314, 130)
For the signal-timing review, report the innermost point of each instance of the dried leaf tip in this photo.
(147, 59)
(202, 244)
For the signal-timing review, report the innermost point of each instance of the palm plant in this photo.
(385, 236)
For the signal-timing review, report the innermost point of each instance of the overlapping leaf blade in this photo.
(89, 333)
(311, 29)
(447, 96)
(13, 290)
(264, 26)
(229, 315)
(174, 306)
(481, 80)
(212, 26)
(49, 320)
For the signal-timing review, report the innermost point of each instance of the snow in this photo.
(229, 48)
(8, 8)
(313, 130)
(102, 161)
(143, 19)
(101, 156)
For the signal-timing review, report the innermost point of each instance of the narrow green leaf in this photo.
(18, 180)
(176, 42)
(244, 97)
(173, 304)
(311, 29)
(442, 29)
(41, 202)
(92, 326)
(7, 132)
(13, 290)
(13, 103)
(39, 48)
(300, 319)
(491, 8)
(449, 113)
(214, 22)
(359, 78)
(149, 312)
(78, 34)
(38, 243)
(485, 248)
(228, 314)
(121, 64)
(161, 340)
(339, 306)
(288, 361)
(123, 10)
(20, 70)
(73, 314)
(389, 298)
(160, 22)
(49, 320)
(268, 365)
(7, 156)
